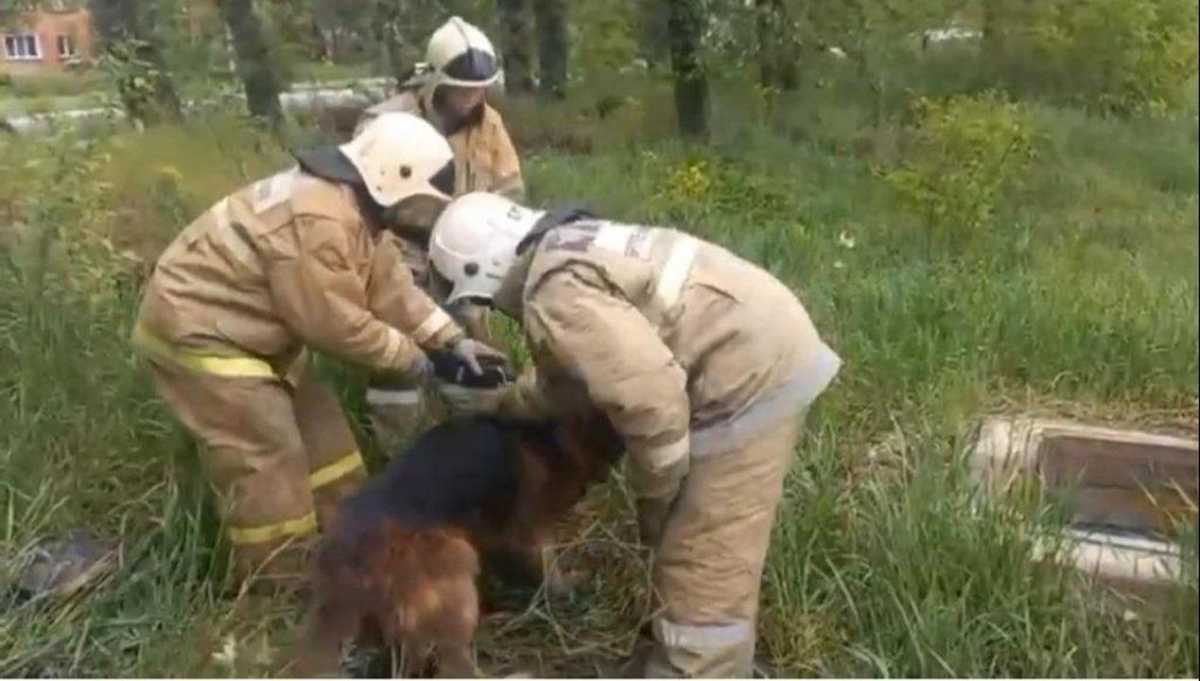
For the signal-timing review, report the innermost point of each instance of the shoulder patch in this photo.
(625, 240)
(270, 192)
(576, 238)
(314, 196)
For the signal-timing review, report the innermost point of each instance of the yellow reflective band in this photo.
(289, 528)
(241, 367)
(327, 474)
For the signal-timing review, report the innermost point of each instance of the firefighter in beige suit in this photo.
(298, 260)
(449, 90)
(703, 362)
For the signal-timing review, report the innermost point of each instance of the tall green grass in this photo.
(1081, 297)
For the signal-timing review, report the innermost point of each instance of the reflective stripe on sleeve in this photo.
(434, 323)
(336, 470)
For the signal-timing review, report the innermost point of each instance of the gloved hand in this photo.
(652, 517)
(421, 370)
(469, 391)
(470, 350)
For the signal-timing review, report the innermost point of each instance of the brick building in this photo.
(46, 40)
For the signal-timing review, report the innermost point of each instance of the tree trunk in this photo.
(777, 47)
(996, 22)
(387, 29)
(655, 36)
(552, 46)
(516, 36)
(691, 81)
(143, 83)
(254, 61)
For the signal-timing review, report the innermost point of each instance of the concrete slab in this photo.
(1126, 491)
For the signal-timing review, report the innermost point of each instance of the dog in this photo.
(402, 559)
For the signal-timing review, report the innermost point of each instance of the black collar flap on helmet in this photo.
(328, 163)
(552, 218)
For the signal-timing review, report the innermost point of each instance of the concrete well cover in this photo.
(1126, 490)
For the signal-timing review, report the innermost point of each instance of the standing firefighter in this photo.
(300, 259)
(703, 362)
(449, 91)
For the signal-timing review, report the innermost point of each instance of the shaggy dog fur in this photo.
(402, 559)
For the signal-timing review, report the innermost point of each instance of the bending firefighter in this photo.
(703, 362)
(302, 259)
(450, 91)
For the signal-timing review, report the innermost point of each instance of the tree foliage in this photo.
(1123, 56)
(128, 32)
(686, 26)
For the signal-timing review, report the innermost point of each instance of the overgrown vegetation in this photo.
(968, 239)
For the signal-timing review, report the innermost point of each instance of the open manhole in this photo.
(1127, 493)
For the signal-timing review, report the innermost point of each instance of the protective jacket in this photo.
(284, 263)
(689, 349)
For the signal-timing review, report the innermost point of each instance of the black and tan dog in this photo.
(402, 560)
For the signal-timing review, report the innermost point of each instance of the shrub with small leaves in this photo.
(963, 152)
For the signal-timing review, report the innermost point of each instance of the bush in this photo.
(963, 152)
(1119, 56)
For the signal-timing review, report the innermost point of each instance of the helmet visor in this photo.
(443, 180)
(472, 66)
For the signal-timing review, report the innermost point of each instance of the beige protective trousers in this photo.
(709, 564)
(279, 458)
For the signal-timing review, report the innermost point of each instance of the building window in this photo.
(66, 46)
(22, 47)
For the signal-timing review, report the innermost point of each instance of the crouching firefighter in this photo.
(449, 90)
(705, 364)
(299, 260)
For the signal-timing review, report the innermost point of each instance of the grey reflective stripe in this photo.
(674, 273)
(693, 636)
(661, 458)
(801, 390)
(435, 322)
(381, 398)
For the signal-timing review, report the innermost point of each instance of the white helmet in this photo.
(474, 243)
(399, 155)
(461, 55)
